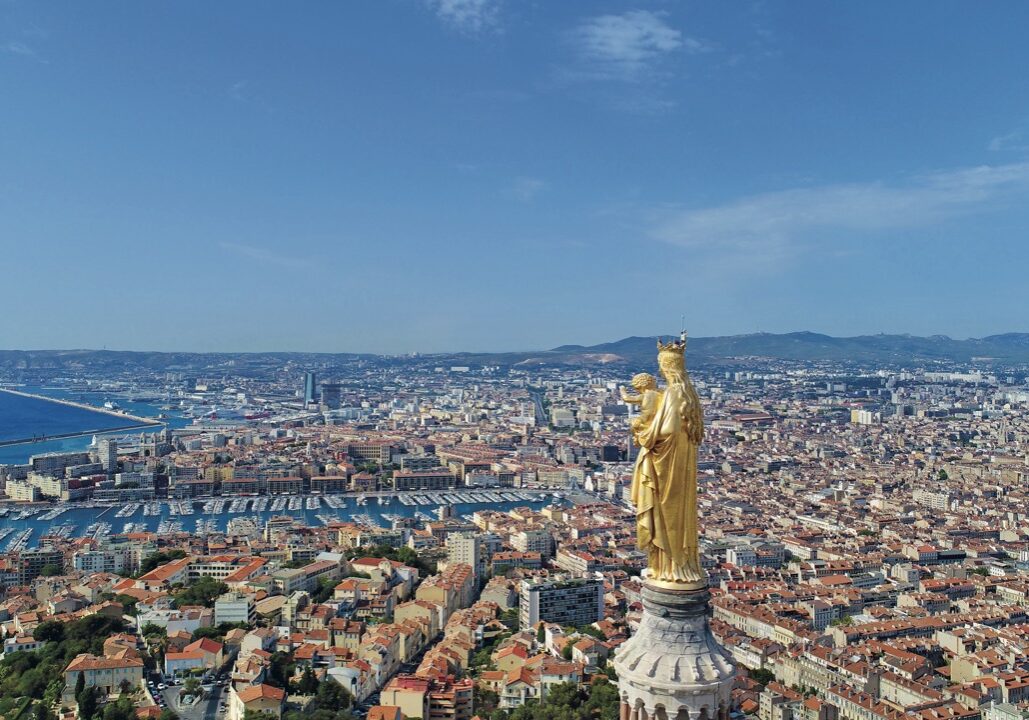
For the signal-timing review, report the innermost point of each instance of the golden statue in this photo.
(668, 431)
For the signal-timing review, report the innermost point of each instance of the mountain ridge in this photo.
(803, 345)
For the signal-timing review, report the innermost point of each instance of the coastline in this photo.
(133, 422)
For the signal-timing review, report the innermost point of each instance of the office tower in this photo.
(332, 395)
(309, 387)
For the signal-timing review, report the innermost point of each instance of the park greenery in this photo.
(404, 555)
(330, 701)
(202, 591)
(325, 590)
(482, 659)
(217, 632)
(38, 676)
(567, 701)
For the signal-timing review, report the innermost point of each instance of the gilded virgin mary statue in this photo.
(668, 431)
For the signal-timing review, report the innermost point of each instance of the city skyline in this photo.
(472, 175)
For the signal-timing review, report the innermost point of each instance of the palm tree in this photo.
(191, 686)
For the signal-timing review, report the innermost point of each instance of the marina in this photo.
(21, 524)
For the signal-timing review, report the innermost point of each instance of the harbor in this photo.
(129, 421)
(24, 526)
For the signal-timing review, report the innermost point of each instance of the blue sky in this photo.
(432, 175)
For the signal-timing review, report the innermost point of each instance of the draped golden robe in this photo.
(664, 490)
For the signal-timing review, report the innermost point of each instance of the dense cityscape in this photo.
(465, 544)
(514, 360)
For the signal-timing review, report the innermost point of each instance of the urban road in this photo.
(205, 709)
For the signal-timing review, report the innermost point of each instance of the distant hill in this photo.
(809, 346)
(1005, 349)
(1010, 348)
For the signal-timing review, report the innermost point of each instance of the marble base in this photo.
(672, 668)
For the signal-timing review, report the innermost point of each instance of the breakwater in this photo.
(33, 424)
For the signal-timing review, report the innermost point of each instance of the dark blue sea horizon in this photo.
(25, 417)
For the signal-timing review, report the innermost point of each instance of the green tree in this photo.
(202, 591)
(80, 685)
(217, 632)
(482, 658)
(49, 631)
(568, 702)
(121, 709)
(591, 631)
(42, 712)
(258, 715)
(168, 714)
(566, 651)
(53, 692)
(405, 555)
(330, 702)
(332, 695)
(762, 675)
(541, 634)
(563, 695)
(308, 682)
(152, 629)
(602, 701)
(50, 570)
(280, 670)
(485, 701)
(128, 603)
(511, 619)
(87, 703)
(325, 590)
(160, 558)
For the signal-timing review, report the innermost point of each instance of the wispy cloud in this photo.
(771, 223)
(1014, 140)
(237, 90)
(628, 46)
(470, 17)
(247, 94)
(268, 257)
(17, 47)
(527, 188)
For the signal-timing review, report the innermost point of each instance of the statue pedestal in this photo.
(672, 668)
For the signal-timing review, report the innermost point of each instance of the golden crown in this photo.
(675, 346)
